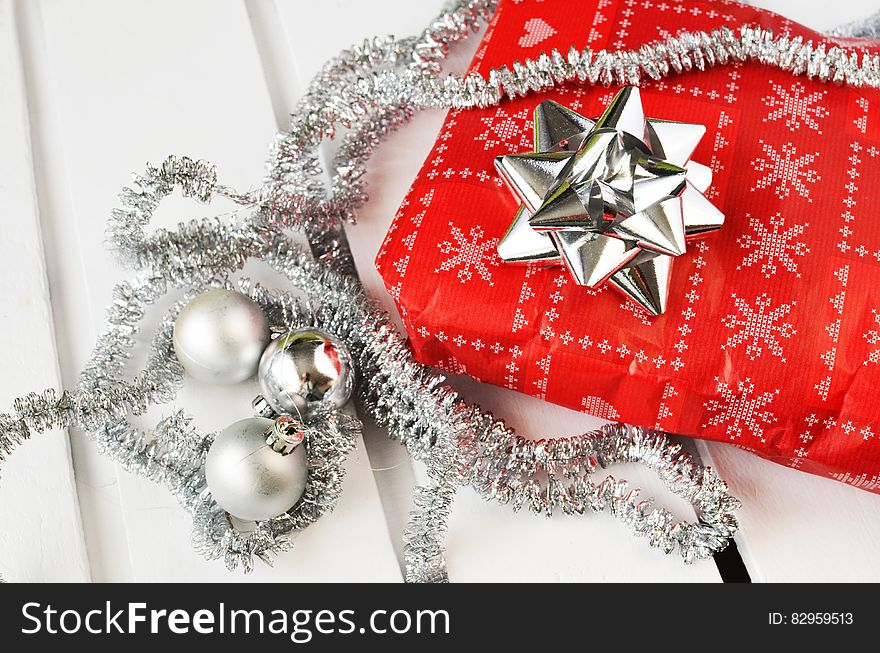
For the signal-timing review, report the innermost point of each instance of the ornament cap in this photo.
(262, 408)
(285, 434)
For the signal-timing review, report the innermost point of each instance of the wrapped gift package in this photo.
(771, 336)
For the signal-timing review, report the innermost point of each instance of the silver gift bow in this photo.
(615, 199)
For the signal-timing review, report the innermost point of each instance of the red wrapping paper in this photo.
(772, 335)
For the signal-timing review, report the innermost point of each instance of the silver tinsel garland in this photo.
(370, 91)
(865, 28)
(461, 444)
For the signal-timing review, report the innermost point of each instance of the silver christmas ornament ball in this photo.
(219, 337)
(305, 368)
(250, 480)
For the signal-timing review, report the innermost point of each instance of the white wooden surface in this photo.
(41, 535)
(108, 85)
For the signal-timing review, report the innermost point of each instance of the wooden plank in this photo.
(133, 82)
(96, 476)
(486, 541)
(800, 528)
(42, 535)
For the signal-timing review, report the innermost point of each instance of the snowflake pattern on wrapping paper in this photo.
(794, 107)
(829, 357)
(873, 337)
(633, 309)
(774, 245)
(785, 171)
(598, 407)
(665, 411)
(453, 366)
(863, 481)
(741, 409)
(469, 255)
(510, 131)
(759, 325)
(855, 194)
(541, 384)
(861, 123)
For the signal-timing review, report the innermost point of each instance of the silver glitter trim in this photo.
(865, 28)
(379, 102)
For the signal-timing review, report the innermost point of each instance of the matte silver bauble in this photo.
(305, 368)
(249, 479)
(219, 337)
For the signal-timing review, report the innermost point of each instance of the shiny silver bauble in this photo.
(219, 337)
(303, 369)
(250, 480)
